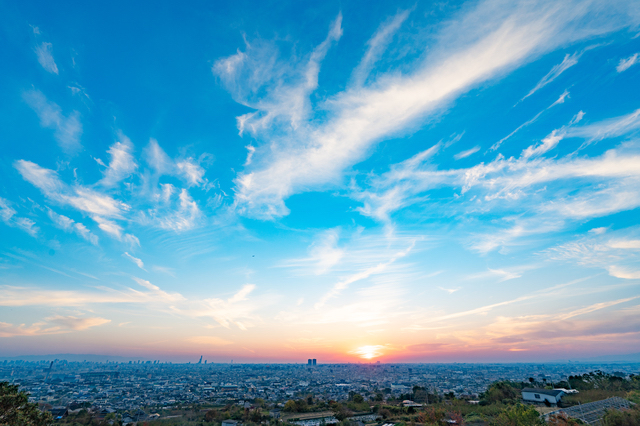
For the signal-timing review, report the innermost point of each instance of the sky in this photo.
(342, 180)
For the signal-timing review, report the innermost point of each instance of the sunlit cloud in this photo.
(369, 351)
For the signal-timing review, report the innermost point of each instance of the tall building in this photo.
(309, 362)
(314, 362)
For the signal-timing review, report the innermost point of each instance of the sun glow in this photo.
(369, 351)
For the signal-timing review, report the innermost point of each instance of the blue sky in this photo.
(262, 181)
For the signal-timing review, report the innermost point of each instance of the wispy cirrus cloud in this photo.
(511, 185)
(122, 163)
(56, 324)
(362, 275)
(305, 154)
(377, 45)
(135, 260)
(8, 216)
(67, 129)
(69, 225)
(102, 208)
(466, 153)
(239, 310)
(76, 323)
(324, 253)
(44, 52)
(617, 252)
(627, 63)
(567, 62)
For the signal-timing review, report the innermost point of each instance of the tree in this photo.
(16, 410)
(290, 406)
(622, 418)
(561, 420)
(519, 415)
(385, 413)
(212, 415)
(500, 392)
(357, 398)
(340, 412)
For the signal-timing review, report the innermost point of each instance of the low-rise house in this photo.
(542, 396)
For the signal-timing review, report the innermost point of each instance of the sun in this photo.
(368, 351)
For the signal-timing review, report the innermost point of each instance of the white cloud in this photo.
(8, 216)
(324, 253)
(27, 225)
(567, 62)
(617, 171)
(505, 275)
(187, 169)
(467, 153)
(377, 45)
(594, 307)
(185, 217)
(560, 100)
(247, 74)
(34, 296)
(484, 42)
(157, 294)
(364, 274)
(627, 274)
(236, 310)
(627, 63)
(610, 128)
(547, 144)
(77, 324)
(69, 225)
(193, 173)
(598, 231)
(67, 129)
(157, 158)
(102, 208)
(372, 306)
(116, 231)
(134, 260)
(6, 212)
(251, 150)
(122, 163)
(624, 244)
(45, 57)
(618, 252)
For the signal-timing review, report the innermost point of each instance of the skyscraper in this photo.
(309, 362)
(314, 362)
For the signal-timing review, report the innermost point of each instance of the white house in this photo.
(552, 396)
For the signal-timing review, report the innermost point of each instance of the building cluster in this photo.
(139, 389)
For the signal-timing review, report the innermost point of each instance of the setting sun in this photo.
(369, 351)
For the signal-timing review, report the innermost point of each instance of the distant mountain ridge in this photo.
(613, 358)
(73, 358)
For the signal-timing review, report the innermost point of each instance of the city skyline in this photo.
(340, 181)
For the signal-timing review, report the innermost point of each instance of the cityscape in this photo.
(146, 390)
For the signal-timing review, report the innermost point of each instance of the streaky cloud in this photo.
(312, 155)
(44, 51)
(567, 62)
(67, 129)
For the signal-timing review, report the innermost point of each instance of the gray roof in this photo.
(552, 392)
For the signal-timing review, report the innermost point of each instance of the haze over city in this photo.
(346, 181)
